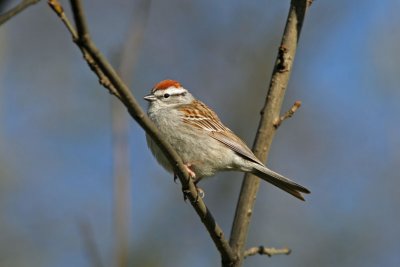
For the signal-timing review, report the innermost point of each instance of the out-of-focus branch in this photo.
(261, 250)
(89, 243)
(87, 46)
(122, 184)
(266, 129)
(16, 10)
(120, 129)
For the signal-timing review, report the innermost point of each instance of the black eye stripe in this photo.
(166, 95)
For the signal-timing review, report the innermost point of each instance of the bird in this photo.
(205, 145)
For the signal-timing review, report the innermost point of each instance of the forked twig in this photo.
(103, 79)
(261, 250)
(288, 114)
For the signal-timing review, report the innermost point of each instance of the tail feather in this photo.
(280, 181)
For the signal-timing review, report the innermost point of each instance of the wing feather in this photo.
(202, 117)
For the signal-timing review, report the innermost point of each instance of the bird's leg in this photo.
(192, 175)
(200, 192)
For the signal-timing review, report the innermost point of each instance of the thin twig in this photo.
(261, 250)
(80, 21)
(89, 243)
(288, 114)
(59, 10)
(141, 118)
(266, 129)
(16, 10)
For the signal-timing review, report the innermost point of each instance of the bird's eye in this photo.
(166, 95)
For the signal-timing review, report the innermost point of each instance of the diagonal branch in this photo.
(16, 10)
(84, 42)
(266, 129)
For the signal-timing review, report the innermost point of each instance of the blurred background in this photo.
(58, 136)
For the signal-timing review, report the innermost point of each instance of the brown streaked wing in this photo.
(202, 117)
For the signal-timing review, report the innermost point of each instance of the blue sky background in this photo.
(56, 140)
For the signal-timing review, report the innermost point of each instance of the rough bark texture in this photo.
(266, 130)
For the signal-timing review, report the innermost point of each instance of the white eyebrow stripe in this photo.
(171, 90)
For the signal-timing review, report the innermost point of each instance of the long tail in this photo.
(280, 181)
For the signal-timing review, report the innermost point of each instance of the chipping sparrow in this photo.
(205, 145)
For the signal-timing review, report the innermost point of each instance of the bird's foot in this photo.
(200, 194)
(191, 173)
(185, 192)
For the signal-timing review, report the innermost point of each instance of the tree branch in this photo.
(261, 250)
(16, 10)
(288, 114)
(266, 129)
(124, 94)
(103, 79)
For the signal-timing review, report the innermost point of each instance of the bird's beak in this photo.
(150, 97)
